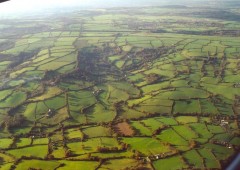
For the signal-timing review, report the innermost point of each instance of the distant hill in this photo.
(28, 6)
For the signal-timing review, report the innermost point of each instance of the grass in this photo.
(210, 80)
(206, 153)
(221, 89)
(208, 107)
(80, 118)
(43, 52)
(193, 87)
(167, 121)
(235, 141)
(170, 136)
(97, 131)
(215, 129)
(225, 109)
(80, 99)
(189, 107)
(46, 165)
(42, 60)
(49, 93)
(36, 73)
(82, 148)
(56, 102)
(223, 137)
(120, 164)
(133, 102)
(40, 141)
(100, 114)
(5, 93)
(201, 130)
(23, 142)
(5, 158)
(127, 48)
(143, 130)
(231, 79)
(220, 152)
(63, 56)
(57, 136)
(156, 43)
(125, 86)
(59, 152)
(186, 119)
(74, 133)
(108, 142)
(194, 92)
(41, 108)
(161, 72)
(114, 58)
(157, 102)
(179, 83)
(16, 50)
(29, 112)
(14, 83)
(182, 93)
(91, 145)
(84, 165)
(14, 100)
(152, 124)
(36, 151)
(136, 77)
(113, 155)
(52, 65)
(154, 109)
(57, 117)
(131, 113)
(5, 143)
(6, 166)
(186, 132)
(23, 130)
(67, 68)
(3, 67)
(194, 159)
(18, 72)
(172, 163)
(147, 146)
(74, 85)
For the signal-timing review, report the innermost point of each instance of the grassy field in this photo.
(173, 162)
(80, 164)
(36, 151)
(120, 88)
(48, 165)
(147, 146)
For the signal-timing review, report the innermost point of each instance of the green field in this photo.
(121, 88)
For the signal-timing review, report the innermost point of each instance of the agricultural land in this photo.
(120, 88)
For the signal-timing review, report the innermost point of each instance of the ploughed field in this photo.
(119, 88)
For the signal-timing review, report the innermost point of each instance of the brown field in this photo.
(124, 129)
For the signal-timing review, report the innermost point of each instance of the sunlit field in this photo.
(120, 88)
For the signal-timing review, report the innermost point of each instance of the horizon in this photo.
(29, 6)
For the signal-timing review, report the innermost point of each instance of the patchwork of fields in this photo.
(119, 89)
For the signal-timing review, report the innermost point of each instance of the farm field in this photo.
(120, 88)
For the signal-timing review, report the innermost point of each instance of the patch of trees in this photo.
(152, 78)
(107, 149)
(158, 131)
(23, 56)
(49, 75)
(160, 31)
(12, 121)
(104, 149)
(218, 14)
(5, 46)
(119, 106)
